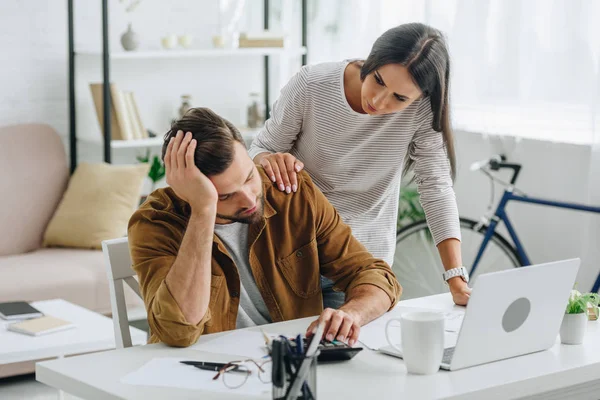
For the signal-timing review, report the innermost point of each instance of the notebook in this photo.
(40, 326)
(18, 310)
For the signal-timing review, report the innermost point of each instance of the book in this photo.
(261, 39)
(124, 116)
(98, 96)
(18, 310)
(40, 326)
(141, 127)
(137, 127)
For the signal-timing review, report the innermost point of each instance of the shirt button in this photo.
(298, 254)
(234, 294)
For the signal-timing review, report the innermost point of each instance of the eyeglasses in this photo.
(236, 373)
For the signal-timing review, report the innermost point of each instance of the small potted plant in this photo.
(156, 172)
(574, 324)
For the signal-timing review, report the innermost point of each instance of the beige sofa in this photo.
(34, 175)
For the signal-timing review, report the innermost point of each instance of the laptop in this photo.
(510, 313)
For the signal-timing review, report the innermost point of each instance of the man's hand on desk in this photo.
(461, 292)
(339, 324)
(363, 304)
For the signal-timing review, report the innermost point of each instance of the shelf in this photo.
(89, 56)
(197, 53)
(247, 133)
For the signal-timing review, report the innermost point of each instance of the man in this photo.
(221, 248)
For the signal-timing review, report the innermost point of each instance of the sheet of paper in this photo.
(372, 335)
(240, 343)
(169, 372)
(454, 321)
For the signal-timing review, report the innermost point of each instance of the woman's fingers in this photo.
(298, 165)
(277, 174)
(266, 164)
(285, 179)
(290, 164)
(282, 169)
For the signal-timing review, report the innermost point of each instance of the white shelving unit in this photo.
(197, 53)
(247, 133)
(284, 56)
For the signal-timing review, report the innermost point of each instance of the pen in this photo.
(208, 366)
(299, 345)
(300, 352)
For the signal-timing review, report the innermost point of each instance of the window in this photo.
(526, 68)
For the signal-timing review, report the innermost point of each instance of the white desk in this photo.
(564, 372)
(93, 332)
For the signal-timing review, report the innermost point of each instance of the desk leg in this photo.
(61, 394)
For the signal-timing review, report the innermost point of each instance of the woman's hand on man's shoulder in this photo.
(282, 169)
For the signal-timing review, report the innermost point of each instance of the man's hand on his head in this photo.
(339, 324)
(185, 178)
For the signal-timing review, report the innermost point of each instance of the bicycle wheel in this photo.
(417, 262)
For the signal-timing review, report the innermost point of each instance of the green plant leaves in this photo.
(157, 168)
(578, 303)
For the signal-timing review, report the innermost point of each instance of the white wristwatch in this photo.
(454, 272)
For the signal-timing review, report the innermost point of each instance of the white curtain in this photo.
(529, 68)
(531, 61)
(342, 29)
(591, 252)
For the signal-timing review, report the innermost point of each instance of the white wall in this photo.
(33, 81)
(33, 61)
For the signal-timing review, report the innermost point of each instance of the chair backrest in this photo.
(118, 265)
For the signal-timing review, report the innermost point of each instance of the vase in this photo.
(185, 41)
(130, 40)
(572, 329)
(169, 42)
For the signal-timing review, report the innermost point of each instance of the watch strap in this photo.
(454, 272)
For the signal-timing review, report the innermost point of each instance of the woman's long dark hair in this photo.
(422, 49)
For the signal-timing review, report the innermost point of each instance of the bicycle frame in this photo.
(500, 215)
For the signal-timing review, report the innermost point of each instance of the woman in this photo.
(355, 125)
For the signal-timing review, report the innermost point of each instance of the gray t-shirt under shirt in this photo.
(253, 310)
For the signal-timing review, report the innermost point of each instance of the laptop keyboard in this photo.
(448, 353)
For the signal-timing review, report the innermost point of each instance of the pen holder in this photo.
(289, 370)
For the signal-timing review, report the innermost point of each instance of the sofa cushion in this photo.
(76, 275)
(97, 205)
(33, 179)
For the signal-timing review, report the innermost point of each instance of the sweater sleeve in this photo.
(285, 123)
(432, 175)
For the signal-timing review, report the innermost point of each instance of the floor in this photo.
(25, 387)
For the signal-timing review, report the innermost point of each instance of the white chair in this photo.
(118, 265)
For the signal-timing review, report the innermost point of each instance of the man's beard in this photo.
(250, 219)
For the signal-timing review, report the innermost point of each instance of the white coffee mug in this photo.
(422, 339)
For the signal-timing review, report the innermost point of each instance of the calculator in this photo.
(331, 351)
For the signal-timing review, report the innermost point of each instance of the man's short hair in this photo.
(215, 136)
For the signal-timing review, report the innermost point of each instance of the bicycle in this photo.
(483, 248)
